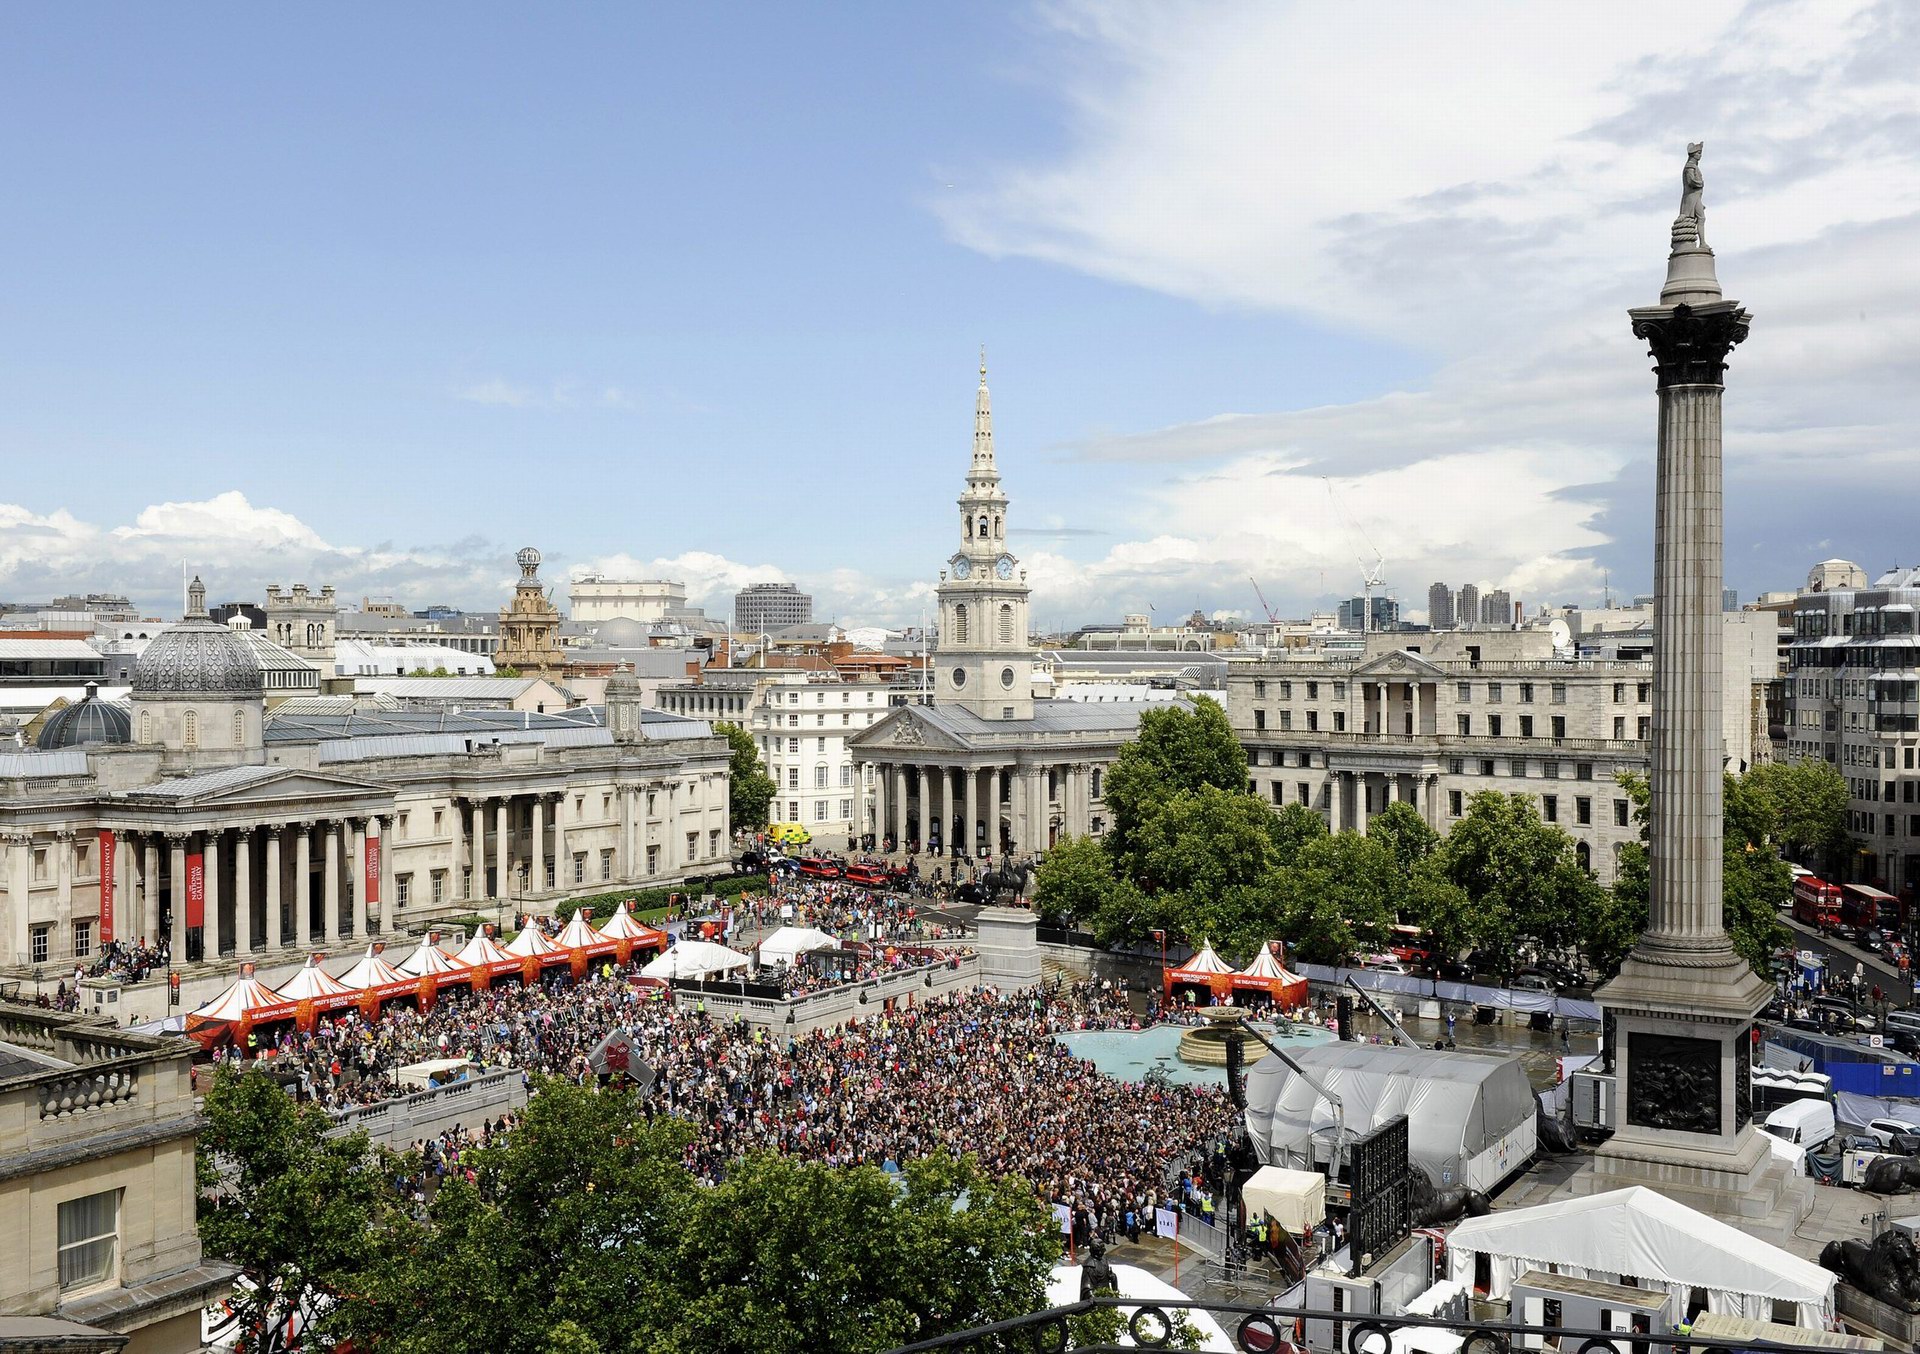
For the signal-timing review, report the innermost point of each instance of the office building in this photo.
(762, 607)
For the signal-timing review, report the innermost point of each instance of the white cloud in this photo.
(563, 393)
(1490, 185)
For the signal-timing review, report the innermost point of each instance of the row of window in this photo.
(820, 721)
(1888, 823)
(819, 810)
(820, 777)
(782, 696)
(1494, 692)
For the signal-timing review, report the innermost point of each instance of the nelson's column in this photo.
(1684, 1002)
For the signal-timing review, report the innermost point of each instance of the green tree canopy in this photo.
(1177, 751)
(296, 1210)
(1807, 800)
(749, 787)
(1520, 872)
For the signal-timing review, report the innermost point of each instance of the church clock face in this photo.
(1004, 567)
(962, 570)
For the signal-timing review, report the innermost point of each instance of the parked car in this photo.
(869, 876)
(1532, 980)
(1884, 1131)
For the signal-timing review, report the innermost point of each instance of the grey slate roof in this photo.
(226, 778)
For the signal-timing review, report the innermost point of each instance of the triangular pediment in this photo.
(907, 727)
(1398, 666)
(258, 784)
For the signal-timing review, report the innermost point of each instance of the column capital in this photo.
(178, 839)
(1689, 344)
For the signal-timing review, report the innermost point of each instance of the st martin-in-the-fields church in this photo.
(987, 767)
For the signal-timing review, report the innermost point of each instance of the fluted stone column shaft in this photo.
(1336, 787)
(210, 883)
(275, 936)
(303, 884)
(900, 808)
(177, 883)
(357, 877)
(971, 841)
(389, 903)
(150, 887)
(243, 891)
(330, 890)
(477, 840)
(500, 867)
(537, 867)
(1360, 802)
(1685, 823)
(562, 861)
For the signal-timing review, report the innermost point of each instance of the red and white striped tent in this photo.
(1205, 970)
(629, 935)
(316, 992)
(486, 960)
(246, 1002)
(431, 970)
(535, 951)
(583, 944)
(1267, 973)
(378, 981)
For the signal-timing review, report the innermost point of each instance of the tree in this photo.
(1176, 751)
(1755, 882)
(1336, 899)
(1808, 801)
(1075, 880)
(1294, 827)
(584, 1231)
(1405, 834)
(1521, 871)
(749, 788)
(296, 1210)
(1202, 842)
(508, 671)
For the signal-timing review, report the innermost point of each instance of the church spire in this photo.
(983, 466)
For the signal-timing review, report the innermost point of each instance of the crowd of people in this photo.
(976, 1072)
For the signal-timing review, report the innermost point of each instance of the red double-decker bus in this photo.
(1864, 905)
(1816, 902)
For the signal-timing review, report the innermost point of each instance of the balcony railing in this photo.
(1267, 1330)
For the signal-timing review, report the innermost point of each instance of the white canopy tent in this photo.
(1642, 1235)
(1297, 1200)
(694, 959)
(427, 959)
(1063, 1289)
(371, 971)
(790, 942)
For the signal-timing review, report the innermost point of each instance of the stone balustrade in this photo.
(88, 1092)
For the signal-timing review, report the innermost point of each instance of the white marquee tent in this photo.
(790, 942)
(694, 959)
(1642, 1235)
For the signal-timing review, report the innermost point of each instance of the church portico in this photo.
(987, 767)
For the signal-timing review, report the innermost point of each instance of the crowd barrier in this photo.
(833, 1005)
(1469, 994)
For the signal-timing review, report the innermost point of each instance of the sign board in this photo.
(1876, 1041)
(196, 890)
(1166, 1223)
(374, 845)
(614, 1056)
(109, 858)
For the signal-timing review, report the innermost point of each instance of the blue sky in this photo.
(375, 296)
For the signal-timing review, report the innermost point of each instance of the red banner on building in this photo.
(109, 858)
(373, 869)
(196, 890)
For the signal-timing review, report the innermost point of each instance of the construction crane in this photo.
(1273, 617)
(1370, 576)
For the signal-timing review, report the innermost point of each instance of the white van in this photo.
(1804, 1123)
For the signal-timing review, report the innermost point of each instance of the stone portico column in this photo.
(1360, 802)
(389, 900)
(210, 935)
(477, 862)
(503, 889)
(562, 862)
(150, 886)
(537, 866)
(243, 891)
(303, 885)
(997, 789)
(275, 937)
(970, 843)
(63, 883)
(330, 891)
(177, 885)
(1336, 786)
(900, 808)
(1380, 728)
(356, 881)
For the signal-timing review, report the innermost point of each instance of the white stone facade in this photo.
(802, 724)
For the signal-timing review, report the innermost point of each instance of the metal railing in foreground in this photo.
(1270, 1330)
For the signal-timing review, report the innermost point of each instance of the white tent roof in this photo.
(1266, 965)
(245, 994)
(1642, 1233)
(1204, 962)
(790, 942)
(313, 981)
(578, 934)
(694, 959)
(622, 926)
(1063, 1289)
(481, 950)
(371, 971)
(429, 958)
(1296, 1199)
(531, 942)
